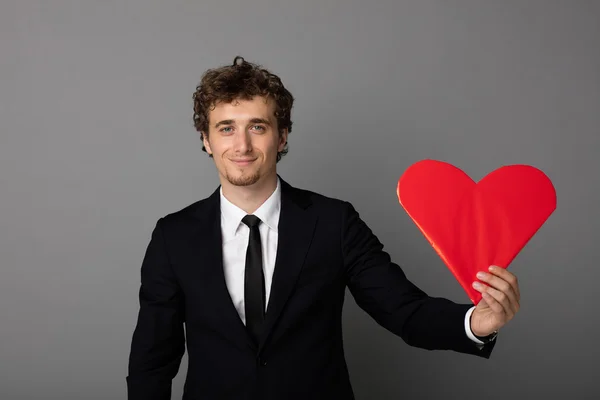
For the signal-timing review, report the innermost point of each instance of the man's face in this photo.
(244, 141)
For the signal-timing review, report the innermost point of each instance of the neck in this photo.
(250, 198)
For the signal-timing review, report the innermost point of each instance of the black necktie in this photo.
(254, 281)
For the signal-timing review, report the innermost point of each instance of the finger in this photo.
(497, 296)
(493, 303)
(502, 299)
(508, 277)
(502, 286)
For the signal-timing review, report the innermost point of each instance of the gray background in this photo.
(96, 143)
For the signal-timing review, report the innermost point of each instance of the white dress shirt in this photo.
(235, 242)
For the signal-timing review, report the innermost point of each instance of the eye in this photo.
(226, 129)
(258, 127)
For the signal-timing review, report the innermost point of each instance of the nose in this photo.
(242, 142)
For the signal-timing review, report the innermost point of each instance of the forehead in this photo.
(257, 107)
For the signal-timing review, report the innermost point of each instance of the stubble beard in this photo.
(244, 179)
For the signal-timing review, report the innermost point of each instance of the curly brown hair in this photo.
(241, 80)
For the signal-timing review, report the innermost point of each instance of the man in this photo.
(257, 272)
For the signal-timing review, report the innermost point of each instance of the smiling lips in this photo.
(242, 162)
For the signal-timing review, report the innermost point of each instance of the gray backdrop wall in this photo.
(96, 143)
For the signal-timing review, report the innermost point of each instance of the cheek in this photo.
(217, 147)
(274, 144)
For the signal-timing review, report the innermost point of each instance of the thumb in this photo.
(482, 304)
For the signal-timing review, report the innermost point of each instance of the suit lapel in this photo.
(209, 253)
(297, 223)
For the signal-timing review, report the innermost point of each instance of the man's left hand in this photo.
(500, 300)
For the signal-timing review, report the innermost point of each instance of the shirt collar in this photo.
(268, 212)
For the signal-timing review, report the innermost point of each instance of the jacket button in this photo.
(262, 362)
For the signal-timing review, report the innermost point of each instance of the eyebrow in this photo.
(253, 121)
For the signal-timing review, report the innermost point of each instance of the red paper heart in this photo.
(474, 225)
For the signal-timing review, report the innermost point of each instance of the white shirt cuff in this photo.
(468, 326)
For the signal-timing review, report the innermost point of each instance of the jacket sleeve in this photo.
(381, 289)
(158, 342)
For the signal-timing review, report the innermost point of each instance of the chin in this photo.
(243, 180)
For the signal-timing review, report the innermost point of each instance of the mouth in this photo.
(242, 162)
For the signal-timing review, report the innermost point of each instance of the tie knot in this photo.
(251, 220)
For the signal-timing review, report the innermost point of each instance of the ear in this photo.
(282, 140)
(206, 143)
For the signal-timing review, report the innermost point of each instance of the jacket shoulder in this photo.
(186, 216)
(322, 201)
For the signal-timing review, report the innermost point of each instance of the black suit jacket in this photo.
(323, 248)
